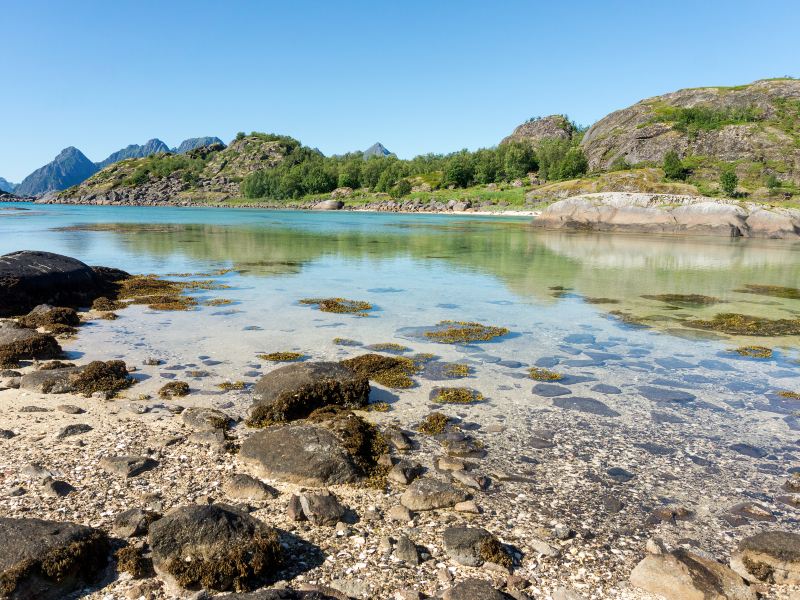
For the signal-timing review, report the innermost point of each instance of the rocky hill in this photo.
(153, 146)
(541, 128)
(757, 125)
(209, 172)
(68, 168)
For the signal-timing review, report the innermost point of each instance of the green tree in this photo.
(728, 180)
(773, 183)
(350, 174)
(458, 171)
(519, 160)
(574, 164)
(401, 188)
(673, 166)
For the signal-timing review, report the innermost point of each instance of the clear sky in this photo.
(419, 76)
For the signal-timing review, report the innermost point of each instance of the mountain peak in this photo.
(69, 168)
(377, 149)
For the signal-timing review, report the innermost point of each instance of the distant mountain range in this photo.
(71, 166)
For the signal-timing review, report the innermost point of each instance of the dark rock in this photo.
(302, 454)
(619, 474)
(406, 550)
(29, 278)
(73, 429)
(472, 546)
(430, 494)
(197, 546)
(282, 594)
(656, 449)
(295, 509)
(56, 488)
(603, 388)
(6, 434)
(20, 343)
(294, 391)
(205, 419)
(669, 515)
(49, 560)
(666, 396)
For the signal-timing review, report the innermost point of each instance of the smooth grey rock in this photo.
(298, 453)
(133, 522)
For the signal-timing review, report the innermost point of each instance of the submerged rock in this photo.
(294, 391)
(49, 559)
(215, 547)
(682, 575)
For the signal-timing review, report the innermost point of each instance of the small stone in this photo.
(399, 513)
(133, 522)
(449, 463)
(127, 466)
(471, 480)
(295, 509)
(472, 589)
(444, 575)
(322, 508)
(562, 532)
(70, 409)
(398, 439)
(56, 488)
(430, 494)
(403, 473)
(36, 472)
(654, 546)
(467, 507)
(73, 429)
(6, 434)
(246, 488)
(15, 492)
(406, 551)
(465, 545)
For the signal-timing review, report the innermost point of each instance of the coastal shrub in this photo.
(728, 180)
(402, 188)
(673, 167)
(560, 159)
(773, 183)
(691, 120)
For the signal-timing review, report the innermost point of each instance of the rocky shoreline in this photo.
(669, 214)
(301, 483)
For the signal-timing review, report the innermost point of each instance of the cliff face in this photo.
(755, 123)
(211, 172)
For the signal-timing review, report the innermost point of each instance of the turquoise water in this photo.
(554, 291)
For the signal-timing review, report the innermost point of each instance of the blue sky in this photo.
(419, 76)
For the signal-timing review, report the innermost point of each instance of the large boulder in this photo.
(31, 277)
(213, 546)
(543, 128)
(46, 560)
(682, 575)
(294, 391)
(331, 204)
(20, 343)
(304, 454)
(667, 214)
(98, 376)
(771, 556)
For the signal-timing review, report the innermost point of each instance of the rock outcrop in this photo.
(752, 122)
(669, 214)
(542, 128)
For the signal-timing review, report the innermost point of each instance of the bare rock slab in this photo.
(682, 575)
(49, 560)
(301, 454)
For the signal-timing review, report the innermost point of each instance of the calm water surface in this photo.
(420, 269)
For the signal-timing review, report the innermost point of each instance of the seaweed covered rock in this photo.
(55, 319)
(215, 547)
(294, 391)
(391, 371)
(769, 556)
(29, 278)
(20, 343)
(98, 376)
(683, 575)
(49, 559)
(304, 454)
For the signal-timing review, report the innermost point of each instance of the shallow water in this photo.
(420, 269)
